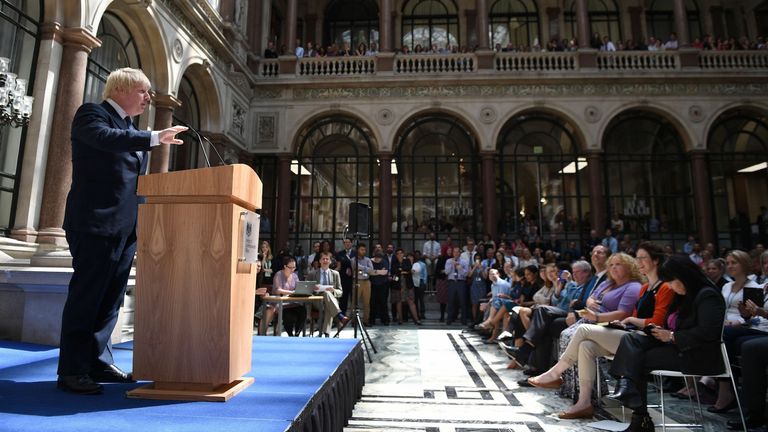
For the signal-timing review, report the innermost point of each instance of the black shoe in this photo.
(752, 422)
(626, 393)
(641, 422)
(529, 371)
(524, 383)
(111, 374)
(80, 384)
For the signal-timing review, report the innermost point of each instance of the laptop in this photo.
(304, 289)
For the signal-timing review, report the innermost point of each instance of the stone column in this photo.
(596, 190)
(681, 25)
(164, 106)
(553, 18)
(385, 198)
(587, 55)
(702, 198)
(78, 43)
(254, 30)
(266, 22)
(283, 200)
(227, 10)
(582, 24)
(481, 6)
(290, 22)
(39, 131)
(636, 21)
(490, 219)
(385, 25)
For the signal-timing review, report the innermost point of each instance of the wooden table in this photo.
(280, 300)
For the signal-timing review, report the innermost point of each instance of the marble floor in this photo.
(437, 379)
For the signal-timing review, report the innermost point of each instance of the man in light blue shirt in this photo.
(456, 268)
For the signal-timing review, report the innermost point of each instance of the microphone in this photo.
(200, 138)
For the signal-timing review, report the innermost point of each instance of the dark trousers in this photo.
(754, 359)
(379, 295)
(541, 357)
(639, 354)
(457, 300)
(735, 336)
(101, 268)
(346, 293)
(418, 294)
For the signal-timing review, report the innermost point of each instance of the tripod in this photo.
(355, 320)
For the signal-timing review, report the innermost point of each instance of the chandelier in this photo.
(15, 105)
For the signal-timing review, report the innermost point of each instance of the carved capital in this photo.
(166, 102)
(52, 31)
(80, 38)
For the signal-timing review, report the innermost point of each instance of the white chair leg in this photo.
(661, 402)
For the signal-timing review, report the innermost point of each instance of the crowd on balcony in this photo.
(597, 42)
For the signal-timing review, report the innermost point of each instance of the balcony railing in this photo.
(269, 68)
(518, 63)
(733, 60)
(435, 63)
(535, 62)
(638, 61)
(336, 66)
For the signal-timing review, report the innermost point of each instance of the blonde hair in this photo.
(743, 259)
(124, 80)
(629, 263)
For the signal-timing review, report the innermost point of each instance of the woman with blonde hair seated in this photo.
(594, 341)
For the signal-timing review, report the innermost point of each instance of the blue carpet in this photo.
(288, 372)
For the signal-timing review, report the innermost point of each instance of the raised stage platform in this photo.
(301, 384)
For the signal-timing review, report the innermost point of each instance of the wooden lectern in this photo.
(194, 298)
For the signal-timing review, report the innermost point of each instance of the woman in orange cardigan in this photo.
(593, 341)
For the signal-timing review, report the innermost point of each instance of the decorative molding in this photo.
(696, 113)
(592, 114)
(385, 117)
(553, 90)
(238, 120)
(266, 130)
(177, 50)
(488, 115)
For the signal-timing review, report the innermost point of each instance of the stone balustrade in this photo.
(535, 62)
(643, 61)
(269, 68)
(579, 63)
(336, 66)
(733, 60)
(435, 64)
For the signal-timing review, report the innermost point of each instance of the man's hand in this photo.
(168, 136)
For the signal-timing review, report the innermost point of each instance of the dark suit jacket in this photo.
(699, 332)
(105, 172)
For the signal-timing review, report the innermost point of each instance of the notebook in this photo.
(304, 289)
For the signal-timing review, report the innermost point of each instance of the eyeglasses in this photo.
(291, 267)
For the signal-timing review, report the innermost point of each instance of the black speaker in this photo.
(359, 215)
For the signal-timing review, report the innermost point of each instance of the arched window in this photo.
(514, 22)
(604, 19)
(353, 22)
(187, 155)
(738, 157)
(430, 22)
(541, 181)
(436, 181)
(660, 19)
(117, 50)
(334, 166)
(648, 181)
(761, 17)
(19, 33)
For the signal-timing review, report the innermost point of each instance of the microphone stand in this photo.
(200, 138)
(355, 320)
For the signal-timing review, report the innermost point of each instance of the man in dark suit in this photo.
(108, 155)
